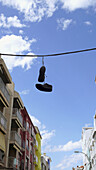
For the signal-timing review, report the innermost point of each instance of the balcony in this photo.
(17, 117)
(17, 101)
(1, 157)
(13, 163)
(4, 73)
(1, 162)
(3, 123)
(4, 94)
(15, 139)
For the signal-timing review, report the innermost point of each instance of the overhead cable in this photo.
(50, 55)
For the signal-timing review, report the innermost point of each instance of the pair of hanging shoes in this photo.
(43, 87)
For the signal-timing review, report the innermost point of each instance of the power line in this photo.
(50, 55)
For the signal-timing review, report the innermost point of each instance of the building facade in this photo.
(10, 120)
(17, 132)
(14, 119)
(45, 162)
(28, 141)
(5, 99)
(89, 146)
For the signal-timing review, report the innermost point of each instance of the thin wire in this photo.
(50, 55)
(43, 60)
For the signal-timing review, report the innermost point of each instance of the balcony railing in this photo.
(1, 161)
(3, 121)
(4, 90)
(13, 163)
(16, 113)
(14, 137)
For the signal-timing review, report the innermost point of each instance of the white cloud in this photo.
(8, 22)
(64, 23)
(16, 44)
(46, 134)
(20, 31)
(88, 125)
(72, 5)
(70, 161)
(24, 92)
(33, 10)
(36, 122)
(65, 148)
(87, 23)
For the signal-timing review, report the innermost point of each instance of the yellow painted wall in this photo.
(38, 152)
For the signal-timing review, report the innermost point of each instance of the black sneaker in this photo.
(42, 74)
(44, 87)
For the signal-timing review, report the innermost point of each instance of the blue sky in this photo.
(44, 27)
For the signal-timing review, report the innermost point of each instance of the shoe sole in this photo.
(42, 88)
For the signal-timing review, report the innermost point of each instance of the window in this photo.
(27, 144)
(24, 124)
(26, 166)
(32, 131)
(30, 166)
(31, 149)
(27, 125)
(23, 144)
(36, 143)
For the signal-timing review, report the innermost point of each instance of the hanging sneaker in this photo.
(41, 77)
(44, 87)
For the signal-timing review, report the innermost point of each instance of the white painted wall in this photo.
(89, 146)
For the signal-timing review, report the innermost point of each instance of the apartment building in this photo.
(5, 80)
(28, 141)
(20, 140)
(14, 124)
(38, 150)
(89, 146)
(45, 162)
(10, 120)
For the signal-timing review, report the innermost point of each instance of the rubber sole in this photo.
(44, 87)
